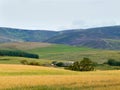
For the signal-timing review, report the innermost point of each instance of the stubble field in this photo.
(24, 77)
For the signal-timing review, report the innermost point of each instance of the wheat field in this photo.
(24, 77)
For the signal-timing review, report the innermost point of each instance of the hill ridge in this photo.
(107, 37)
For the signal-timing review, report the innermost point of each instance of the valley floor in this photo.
(24, 77)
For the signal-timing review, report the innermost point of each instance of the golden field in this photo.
(24, 77)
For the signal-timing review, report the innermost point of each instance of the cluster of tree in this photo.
(17, 53)
(84, 65)
(113, 62)
(25, 62)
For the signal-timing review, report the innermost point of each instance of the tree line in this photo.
(17, 53)
(113, 62)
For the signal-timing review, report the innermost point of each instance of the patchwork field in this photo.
(60, 53)
(23, 77)
(55, 52)
(14, 76)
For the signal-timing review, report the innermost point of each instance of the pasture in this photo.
(56, 52)
(60, 53)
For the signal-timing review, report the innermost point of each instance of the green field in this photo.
(61, 52)
(54, 52)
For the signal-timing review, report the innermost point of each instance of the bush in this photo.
(85, 65)
(113, 62)
(54, 62)
(34, 63)
(25, 62)
(60, 64)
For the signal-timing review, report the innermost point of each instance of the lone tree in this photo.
(85, 65)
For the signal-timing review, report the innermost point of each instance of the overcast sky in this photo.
(59, 14)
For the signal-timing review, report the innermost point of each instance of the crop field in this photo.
(28, 77)
(24, 77)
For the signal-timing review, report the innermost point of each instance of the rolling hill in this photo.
(101, 37)
(21, 35)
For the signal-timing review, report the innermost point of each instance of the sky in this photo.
(59, 14)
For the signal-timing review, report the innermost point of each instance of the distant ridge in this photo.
(100, 37)
(24, 35)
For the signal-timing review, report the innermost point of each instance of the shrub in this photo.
(85, 65)
(34, 63)
(113, 62)
(60, 64)
(54, 62)
(25, 62)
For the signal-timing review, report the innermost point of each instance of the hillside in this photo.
(21, 35)
(102, 37)
(23, 45)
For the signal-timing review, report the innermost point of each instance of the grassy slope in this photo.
(19, 77)
(62, 52)
(57, 50)
(17, 60)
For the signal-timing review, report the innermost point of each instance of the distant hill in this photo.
(21, 35)
(23, 45)
(101, 37)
